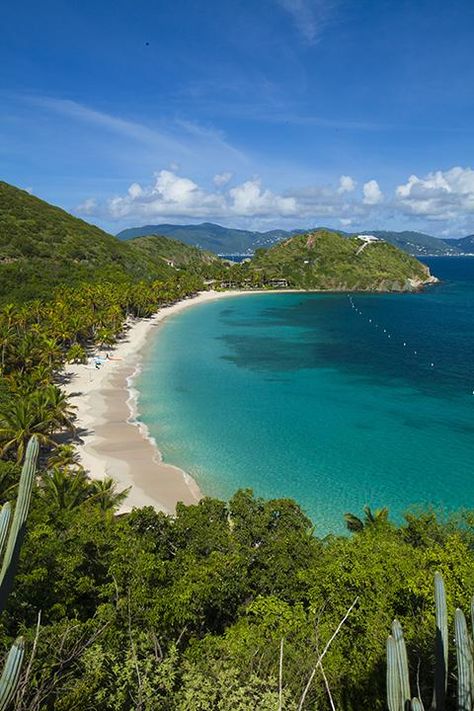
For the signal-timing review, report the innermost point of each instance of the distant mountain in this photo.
(324, 259)
(218, 239)
(226, 240)
(416, 243)
(463, 244)
(42, 246)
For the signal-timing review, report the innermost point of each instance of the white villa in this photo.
(369, 238)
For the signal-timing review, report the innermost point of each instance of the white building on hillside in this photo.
(369, 238)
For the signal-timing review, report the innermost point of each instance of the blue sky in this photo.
(268, 113)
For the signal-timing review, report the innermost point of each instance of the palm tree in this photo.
(64, 456)
(50, 351)
(105, 494)
(371, 518)
(7, 334)
(55, 403)
(76, 354)
(20, 419)
(64, 488)
(25, 383)
(27, 352)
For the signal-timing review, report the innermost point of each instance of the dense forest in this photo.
(226, 605)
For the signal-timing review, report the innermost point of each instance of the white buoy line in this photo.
(385, 331)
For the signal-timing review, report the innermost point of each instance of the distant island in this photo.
(227, 240)
(42, 247)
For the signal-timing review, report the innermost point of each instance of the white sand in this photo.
(112, 442)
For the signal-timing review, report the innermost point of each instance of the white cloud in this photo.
(372, 193)
(88, 207)
(250, 199)
(346, 184)
(135, 190)
(310, 16)
(440, 195)
(172, 195)
(221, 179)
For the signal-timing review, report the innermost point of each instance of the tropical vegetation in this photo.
(328, 260)
(42, 247)
(235, 605)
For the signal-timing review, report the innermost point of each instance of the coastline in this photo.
(111, 439)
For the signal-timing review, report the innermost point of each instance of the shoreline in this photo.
(111, 439)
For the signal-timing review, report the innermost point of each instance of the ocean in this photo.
(334, 400)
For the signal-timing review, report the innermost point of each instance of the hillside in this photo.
(42, 246)
(465, 245)
(327, 260)
(226, 240)
(417, 243)
(207, 235)
(181, 255)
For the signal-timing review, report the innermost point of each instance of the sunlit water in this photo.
(303, 396)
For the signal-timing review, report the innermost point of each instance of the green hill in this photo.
(42, 246)
(327, 260)
(171, 250)
(227, 240)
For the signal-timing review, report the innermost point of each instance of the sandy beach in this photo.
(112, 442)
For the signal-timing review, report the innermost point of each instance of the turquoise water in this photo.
(303, 396)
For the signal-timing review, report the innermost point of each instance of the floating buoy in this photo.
(432, 365)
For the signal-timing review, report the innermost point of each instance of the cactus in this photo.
(402, 663)
(393, 687)
(5, 515)
(11, 673)
(398, 682)
(465, 662)
(441, 645)
(12, 668)
(398, 679)
(10, 557)
(394, 693)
